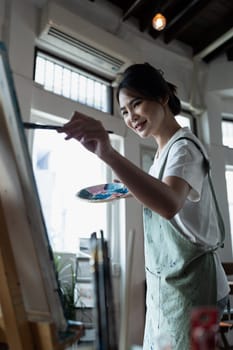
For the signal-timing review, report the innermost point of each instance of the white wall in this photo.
(177, 64)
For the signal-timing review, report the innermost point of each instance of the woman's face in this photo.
(144, 117)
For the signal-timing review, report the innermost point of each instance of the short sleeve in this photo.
(187, 162)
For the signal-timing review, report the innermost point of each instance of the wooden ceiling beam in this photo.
(183, 19)
(222, 49)
(131, 10)
(219, 30)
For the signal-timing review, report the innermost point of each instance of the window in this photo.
(61, 169)
(227, 132)
(185, 120)
(71, 82)
(229, 182)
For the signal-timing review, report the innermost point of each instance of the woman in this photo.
(182, 228)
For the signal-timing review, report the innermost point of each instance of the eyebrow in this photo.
(130, 103)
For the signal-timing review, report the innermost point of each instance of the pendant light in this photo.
(159, 21)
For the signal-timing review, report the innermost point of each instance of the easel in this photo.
(32, 315)
(15, 329)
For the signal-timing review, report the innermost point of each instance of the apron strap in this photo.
(207, 164)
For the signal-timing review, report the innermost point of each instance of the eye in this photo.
(124, 113)
(137, 103)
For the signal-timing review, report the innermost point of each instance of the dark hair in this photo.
(150, 83)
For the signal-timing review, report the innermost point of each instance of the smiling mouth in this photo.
(140, 126)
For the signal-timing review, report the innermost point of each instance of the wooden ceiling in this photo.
(204, 25)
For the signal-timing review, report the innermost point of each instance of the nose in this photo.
(132, 115)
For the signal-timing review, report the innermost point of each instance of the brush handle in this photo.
(45, 126)
(40, 126)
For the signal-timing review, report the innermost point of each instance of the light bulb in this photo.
(159, 21)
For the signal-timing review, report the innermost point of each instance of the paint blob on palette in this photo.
(104, 192)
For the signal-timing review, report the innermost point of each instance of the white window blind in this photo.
(68, 81)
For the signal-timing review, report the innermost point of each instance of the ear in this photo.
(165, 100)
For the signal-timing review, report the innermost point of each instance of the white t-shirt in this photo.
(197, 220)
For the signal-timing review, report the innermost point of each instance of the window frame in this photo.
(80, 70)
(192, 117)
(229, 168)
(226, 118)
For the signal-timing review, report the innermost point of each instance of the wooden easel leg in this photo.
(46, 337)
(16, 326)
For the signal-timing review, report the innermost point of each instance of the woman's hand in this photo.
(90, 133)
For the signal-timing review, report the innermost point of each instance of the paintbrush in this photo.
(40, 126)
(46, 126)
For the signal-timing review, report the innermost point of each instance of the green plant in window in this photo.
(66, 275)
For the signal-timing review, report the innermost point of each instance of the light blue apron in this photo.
(180, 275)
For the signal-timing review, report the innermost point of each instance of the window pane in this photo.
(71, 82)
(229, 181)
(74, 85)
(40, 70)
(183, 121)
(49, 76)
(227, 133)
(61, 169)
(66, 82)
(57, 79)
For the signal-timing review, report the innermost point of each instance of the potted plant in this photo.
(67, 280)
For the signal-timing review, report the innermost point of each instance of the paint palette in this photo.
(104, 192)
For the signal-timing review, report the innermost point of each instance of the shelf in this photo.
(84, 279)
